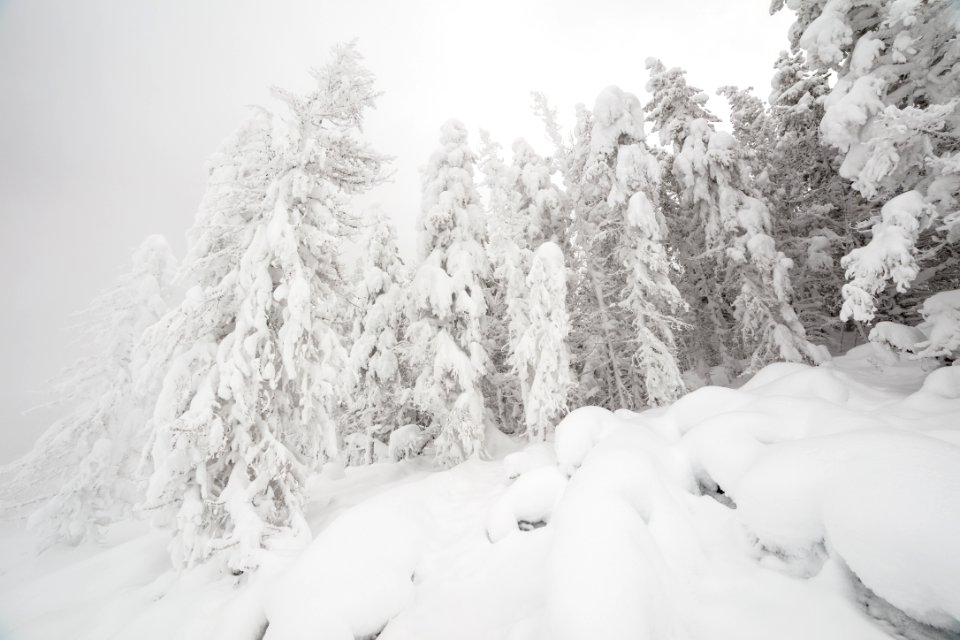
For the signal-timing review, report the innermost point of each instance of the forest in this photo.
(654, 251)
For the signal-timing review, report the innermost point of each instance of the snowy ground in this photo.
(810, 503)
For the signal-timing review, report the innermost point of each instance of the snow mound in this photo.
(529, 502)
(943, 383)
(355, 576)
(813, 502)
(864, 495)
(578, 433)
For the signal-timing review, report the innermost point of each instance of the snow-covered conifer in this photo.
(894, 116)
(81, 474)
(532, 211)
(540, 355)
(814, 208)
(735, 271)
(541, 208)
(625, 305)
(377, 397)
(753, 129)
(505, 288)
(251, 360)
(447, 296)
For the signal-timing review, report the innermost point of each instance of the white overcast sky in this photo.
(109, 109)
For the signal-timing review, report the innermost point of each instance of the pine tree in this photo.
(448, 300)
(82, 473)
(378, 396)
(737, 278)
(251, 360)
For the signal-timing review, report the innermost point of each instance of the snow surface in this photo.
(809, 503)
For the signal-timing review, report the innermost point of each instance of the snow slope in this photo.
(811, 503)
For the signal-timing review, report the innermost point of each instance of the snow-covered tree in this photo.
(526, 208)
(753, 130)
(541, 208)
(815, 209)
(737, 279)
(624, 304)
(812, 208)
(504, 289)
(81, 474)
(448, 301)
(540, 355)
(377, 397)
(251, 360)
(894, 116)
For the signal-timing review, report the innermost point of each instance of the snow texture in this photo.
(809, 503)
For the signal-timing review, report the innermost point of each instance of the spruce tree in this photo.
(507, 254)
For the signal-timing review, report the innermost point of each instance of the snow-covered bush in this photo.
(528, 502)
(406, 441)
